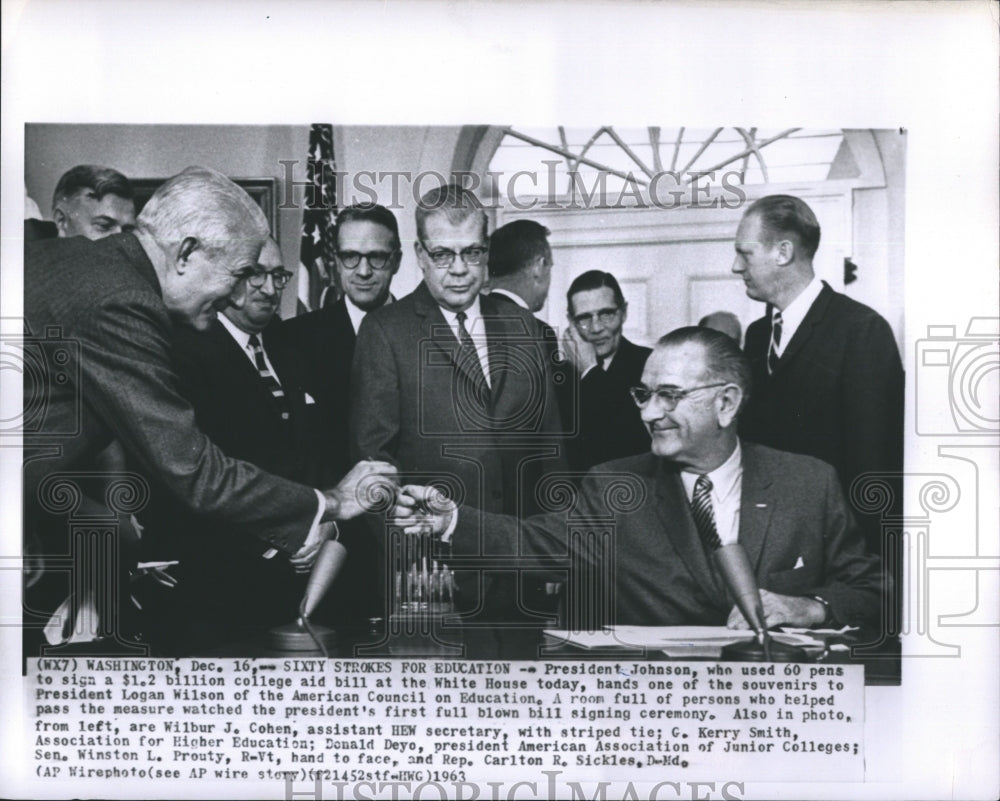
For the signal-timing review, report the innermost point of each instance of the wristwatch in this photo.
(829, 622)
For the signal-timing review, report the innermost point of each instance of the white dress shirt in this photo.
(357, 314)
(796, 311)
(243, 340)
(477, 330)
(727, 492)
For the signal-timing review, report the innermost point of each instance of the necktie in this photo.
(772, 351)
(468, 358)
(268, 377)
(704, 519)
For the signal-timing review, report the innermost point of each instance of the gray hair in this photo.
(203, 204)
(455, 202)
(724, 361)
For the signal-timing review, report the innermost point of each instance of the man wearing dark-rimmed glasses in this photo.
(367, 257)
(245, 388)
(455, 387)
(607, 364)
(663, 513)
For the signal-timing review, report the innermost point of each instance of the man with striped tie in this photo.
(639, 537)
(827, 376)
(245, 386)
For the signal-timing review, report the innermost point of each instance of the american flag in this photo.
(316, 267)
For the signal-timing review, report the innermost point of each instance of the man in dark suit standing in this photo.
(659, 516)
(828, 381)
(368, 256)
(110, 307)
(452, 387)
(608, 364)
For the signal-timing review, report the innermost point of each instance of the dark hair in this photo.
(515, 245)
(100, 181)
(594, 279)
(453, 201)
(369, 212)
(724, 361)
(786, 214)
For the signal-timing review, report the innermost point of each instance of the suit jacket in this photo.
(836, 393)
(408, 403)
(100, 304)
(653, 571)
(325, 340)
(610, 423)
(564, 376)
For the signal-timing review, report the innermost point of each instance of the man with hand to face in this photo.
(698, 488)
(607, 365)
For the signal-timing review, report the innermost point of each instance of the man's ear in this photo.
(624, 312)
(61, 220)
(188, 246)
(728, 403)
(786, 251)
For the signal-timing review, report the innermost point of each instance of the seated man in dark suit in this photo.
(246, 391)
(368, 256)
(641, 530)
(608, 364)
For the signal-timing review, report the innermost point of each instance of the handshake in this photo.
(372, 486)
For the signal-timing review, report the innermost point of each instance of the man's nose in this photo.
(364, 267)
(737, 265)
(458, 266)
(652, 411)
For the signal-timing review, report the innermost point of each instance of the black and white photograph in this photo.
(500, 420)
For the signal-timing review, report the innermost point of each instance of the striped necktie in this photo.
(772, 351)
(268, 377)
(704, 518)
(469, 357)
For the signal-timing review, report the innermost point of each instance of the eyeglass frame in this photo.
(342, 257)
(257, 278)
(670, 398)
(586, 321)
(452, 254)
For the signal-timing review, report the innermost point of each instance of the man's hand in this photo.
(779, 610)
(302, 560)
(580, 352)
(369, 486)
(423, 510)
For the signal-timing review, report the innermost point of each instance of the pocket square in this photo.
(310, 400)
(799, 563)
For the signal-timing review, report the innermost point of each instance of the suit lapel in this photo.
(436, 328)
(674, 512)
(757, 503)
(802, 334)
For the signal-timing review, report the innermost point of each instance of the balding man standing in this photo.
(116, 300)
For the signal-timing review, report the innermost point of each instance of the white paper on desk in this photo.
(666, 636)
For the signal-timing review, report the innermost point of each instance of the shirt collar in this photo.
(473, 315)
(242, 337)
(357, 314)
(793, 314)
(725, 478)
(508, 294)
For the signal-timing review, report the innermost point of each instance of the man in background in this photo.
(725, 322)
(367, 257)
(94, 202)
(608, 364)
